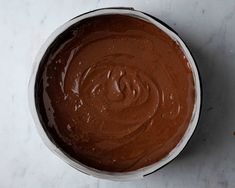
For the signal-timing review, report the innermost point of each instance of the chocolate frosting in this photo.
(115, 93)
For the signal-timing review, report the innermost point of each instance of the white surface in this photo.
(208, 28)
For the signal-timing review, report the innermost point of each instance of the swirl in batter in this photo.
(115, 93)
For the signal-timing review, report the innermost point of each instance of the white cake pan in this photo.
(123, 176)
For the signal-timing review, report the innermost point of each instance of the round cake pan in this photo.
(119, 176)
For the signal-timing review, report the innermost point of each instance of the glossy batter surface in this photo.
(115, 93)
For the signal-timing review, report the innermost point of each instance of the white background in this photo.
(208, 28)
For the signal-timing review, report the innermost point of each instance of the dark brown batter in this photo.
(115, 93)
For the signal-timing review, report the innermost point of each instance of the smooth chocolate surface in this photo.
(115, 93)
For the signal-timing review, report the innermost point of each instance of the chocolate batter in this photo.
(115, 93)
